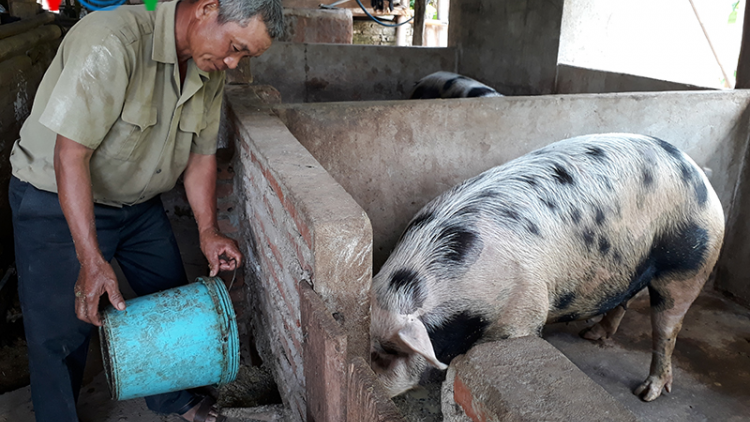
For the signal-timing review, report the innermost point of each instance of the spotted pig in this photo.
(450, 85)
(564, 233)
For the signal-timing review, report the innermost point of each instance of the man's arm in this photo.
(200, 185)
(76, 200)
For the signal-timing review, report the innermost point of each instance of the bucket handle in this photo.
(234, 274)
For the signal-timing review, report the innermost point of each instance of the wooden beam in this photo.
(420, 9)
(743, 65)
(18, 27)
(21, 43)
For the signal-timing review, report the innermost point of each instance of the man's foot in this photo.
(204, 411)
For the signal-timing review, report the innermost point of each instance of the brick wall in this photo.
(368, 32)
(296, 224)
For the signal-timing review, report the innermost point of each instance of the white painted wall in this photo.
(659, 39)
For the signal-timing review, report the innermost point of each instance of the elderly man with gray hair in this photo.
(131, 101)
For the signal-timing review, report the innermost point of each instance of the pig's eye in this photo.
(381, 361)
(389, 349)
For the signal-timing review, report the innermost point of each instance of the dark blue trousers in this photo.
(139, 237)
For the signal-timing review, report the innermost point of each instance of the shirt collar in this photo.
(165, 48)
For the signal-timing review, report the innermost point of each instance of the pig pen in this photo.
(325, 189)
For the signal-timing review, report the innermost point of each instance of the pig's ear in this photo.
(414, 336)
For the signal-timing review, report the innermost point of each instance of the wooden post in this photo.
(420, 9)
(401, 31)
(743, 65)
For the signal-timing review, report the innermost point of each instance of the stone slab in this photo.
(524, 379)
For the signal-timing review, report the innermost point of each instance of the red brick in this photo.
(276, 253)
(239, 281)
(225, 171)
(267, 203)
(463, 397)
(257, 223)
(282, 292)
(274, 184)
(225, 207)
(237, 296)
(301, 226)
(226, 226)
(224, 189)
(298, 250)
(245, 144)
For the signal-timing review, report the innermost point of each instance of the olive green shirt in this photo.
(114, 86)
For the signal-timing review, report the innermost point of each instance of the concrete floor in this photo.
(711, 365)
(711, 361)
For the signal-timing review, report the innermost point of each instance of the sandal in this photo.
(205, 407)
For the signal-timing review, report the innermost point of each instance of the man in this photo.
(131, 101)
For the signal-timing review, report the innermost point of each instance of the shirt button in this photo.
(158, 171)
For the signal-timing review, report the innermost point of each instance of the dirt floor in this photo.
(250, 398)
(14, 363)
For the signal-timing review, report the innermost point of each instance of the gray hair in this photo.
(240, 11)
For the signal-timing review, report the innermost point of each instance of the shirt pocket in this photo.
(129, 131)
(191, 125)
(193, 122)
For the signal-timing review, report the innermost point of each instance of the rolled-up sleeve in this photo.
(90, 93)
(205, 141)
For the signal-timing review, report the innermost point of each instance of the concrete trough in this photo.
(329, 165)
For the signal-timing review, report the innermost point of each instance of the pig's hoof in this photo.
(594, 333)
(651, 388)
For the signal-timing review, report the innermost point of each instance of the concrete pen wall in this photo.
(414, 150)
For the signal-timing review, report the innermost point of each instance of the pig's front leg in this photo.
(607, 327)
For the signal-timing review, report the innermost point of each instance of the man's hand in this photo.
(93, 281)
(222, 252)
(200, 185)
(74, 192)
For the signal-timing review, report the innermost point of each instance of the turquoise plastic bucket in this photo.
(180, 338)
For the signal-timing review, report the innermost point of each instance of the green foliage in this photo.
(733, 13)
(431, 8)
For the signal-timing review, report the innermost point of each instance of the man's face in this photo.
(217, 46)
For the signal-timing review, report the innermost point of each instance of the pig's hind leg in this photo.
(670, 300)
